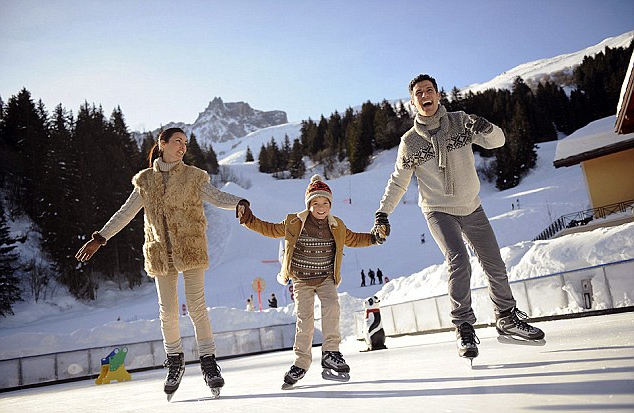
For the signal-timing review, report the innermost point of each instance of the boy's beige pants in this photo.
(305, 325)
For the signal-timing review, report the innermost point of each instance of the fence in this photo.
(581, 218)
(600, 287)
(85, 363)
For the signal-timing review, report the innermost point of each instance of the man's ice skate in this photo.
(292, 376)
(467, 342)
(175, 364)
(211, 374)
(514, 330)
(335, 367)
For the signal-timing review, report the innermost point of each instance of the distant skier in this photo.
(315, 241)
(371, 276)
(438, 150)
(379, 275)
(362, 279)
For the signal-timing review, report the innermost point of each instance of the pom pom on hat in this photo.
(317, 188)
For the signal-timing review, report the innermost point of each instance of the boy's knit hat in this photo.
(317, 187)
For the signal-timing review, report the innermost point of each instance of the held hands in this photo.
(477, 124)
(381, 229)
(243, 212)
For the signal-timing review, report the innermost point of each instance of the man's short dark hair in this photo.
(420, 78)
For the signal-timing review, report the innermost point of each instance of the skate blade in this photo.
(215, 392)
(286, 386)
(329, 374)
(508, 339)
(169, 396)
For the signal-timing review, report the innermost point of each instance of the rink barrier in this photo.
(81, 364)
(585, 290)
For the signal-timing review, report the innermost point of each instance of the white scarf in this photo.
(434, 129)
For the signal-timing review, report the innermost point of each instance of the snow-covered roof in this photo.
(624, 121)
(596, 139)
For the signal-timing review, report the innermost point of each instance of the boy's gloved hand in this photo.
(243, 212)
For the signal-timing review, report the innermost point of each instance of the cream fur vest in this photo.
(173, 212)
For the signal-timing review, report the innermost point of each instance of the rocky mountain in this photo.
(221, 122)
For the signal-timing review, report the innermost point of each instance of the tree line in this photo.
(528, 114)
(68, 174)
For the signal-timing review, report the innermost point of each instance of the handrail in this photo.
(580, 218)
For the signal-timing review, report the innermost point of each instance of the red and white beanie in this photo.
(316, 188)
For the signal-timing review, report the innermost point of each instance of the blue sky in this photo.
(163, 61)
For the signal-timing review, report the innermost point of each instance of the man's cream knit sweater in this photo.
(439, 153)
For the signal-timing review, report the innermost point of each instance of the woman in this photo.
(172, 194)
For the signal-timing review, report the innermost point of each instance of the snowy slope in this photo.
(534, 71)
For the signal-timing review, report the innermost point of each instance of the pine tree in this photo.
(263, 160)
(194, 155)
(211, 160)
(296, 164)
(22, 136)
(249, 155)
(146, 146)
(10, 291)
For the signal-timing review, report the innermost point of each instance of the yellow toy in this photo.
(112, 367)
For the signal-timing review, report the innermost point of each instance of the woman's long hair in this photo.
(165, 136)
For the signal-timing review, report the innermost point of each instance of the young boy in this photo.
(313, 249)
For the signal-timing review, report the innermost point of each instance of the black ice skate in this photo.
(467, 341)
(513, 329)
(292, 376)
(211, 374)
(335, 367)
(175, 364)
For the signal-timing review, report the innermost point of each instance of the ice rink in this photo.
(587, 365)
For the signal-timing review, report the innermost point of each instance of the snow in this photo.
(595, 135)
(585, 366)
(536, 70)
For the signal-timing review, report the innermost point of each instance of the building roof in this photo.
(625, 108)
(592, 141)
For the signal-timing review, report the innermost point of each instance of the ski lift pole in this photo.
(258, 285)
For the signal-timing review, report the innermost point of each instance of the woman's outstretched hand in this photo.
(87, 250)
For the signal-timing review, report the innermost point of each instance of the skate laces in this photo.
(468, 335)
(173, 365)
(518, 318)
(210, 366)
(296, 371)
(336, 356)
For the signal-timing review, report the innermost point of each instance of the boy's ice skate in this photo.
(335, 367)
(292, 376)
(211, 374)
(175, 364)
(513, 329)
(467, 341)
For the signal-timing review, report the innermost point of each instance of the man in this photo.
(437, 149)
(273, 301)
